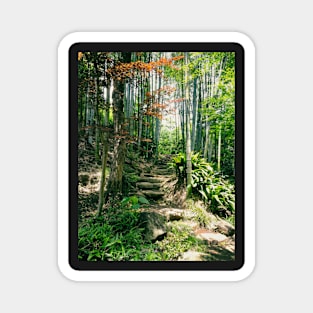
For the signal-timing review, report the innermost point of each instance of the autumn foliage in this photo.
(132, 69)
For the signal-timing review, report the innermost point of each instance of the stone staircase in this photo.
(152, 184)
(151, 181)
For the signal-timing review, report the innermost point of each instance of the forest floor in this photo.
(214, 238)
(158, 183)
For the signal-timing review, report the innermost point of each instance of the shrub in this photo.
(178, 241)
(200, 214)
(211, 187)
(178, 162)
(115, 236)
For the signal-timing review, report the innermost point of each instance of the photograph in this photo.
(154, 169)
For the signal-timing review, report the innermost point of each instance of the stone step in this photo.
(149, 185)
(211, 237)
(149, 179)
(162, 171)
(163, 166)
(146, 174)
(153, 194)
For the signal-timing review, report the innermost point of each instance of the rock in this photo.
(225, 228)
(172, 214)
(191, 224)
(148, 185)
(211, 237)
(153, 224)
(229, 244)
(192, 256)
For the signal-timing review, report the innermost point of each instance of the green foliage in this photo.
(129, 179)
(115, 236)
(199, 164)
(178, 162)
(167, 143)
(231, 219)
(222, 196)
(143, 200)
(210, 186)
(199, 213)
(215, 190)
(179, 158)
(178, 241)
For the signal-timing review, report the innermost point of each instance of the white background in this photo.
(30, 33)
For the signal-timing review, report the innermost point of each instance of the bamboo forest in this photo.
(156, 156)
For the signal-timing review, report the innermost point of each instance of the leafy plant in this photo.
(178, 162)
(231, 219)
(199, 213)
(216, 191)
(115, 236)
(129, 179)
(210, 186)
(178, 241)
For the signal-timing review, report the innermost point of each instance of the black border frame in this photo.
(239, 155)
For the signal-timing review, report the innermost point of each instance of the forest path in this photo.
(157, 183)
(153, 179)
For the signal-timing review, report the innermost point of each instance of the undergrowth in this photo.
(200, 215)
(210, 186)
(117, 236)
(178, 241)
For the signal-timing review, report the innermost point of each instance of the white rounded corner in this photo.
(244, 40)
(67, 271)
(246, 271)
(68, 40)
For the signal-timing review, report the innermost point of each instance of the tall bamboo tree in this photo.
(188, 135)
(115, 181)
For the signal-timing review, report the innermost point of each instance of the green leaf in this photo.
(133, 200)
(94, 253)
(207, 189)
(136, 206)
(232, 204)
(125, 201)
(218, 200)
(203, 194)
(143, 200)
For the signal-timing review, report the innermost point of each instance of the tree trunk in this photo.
(188, 137)
(115, 182)
(97, 118)
(207, 140)
(194, 114)
(105, 149)
(182, 118)
(105, 145)
(140, 113)
(219, 149)
(198, 144)
(158, 121)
